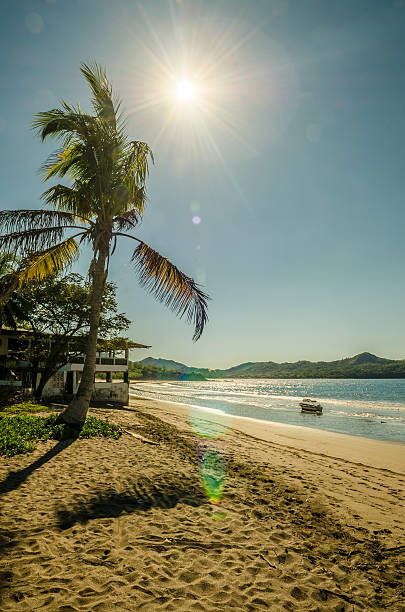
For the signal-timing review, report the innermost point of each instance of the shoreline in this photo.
(383, 454)
(354, 477)
(133, 523)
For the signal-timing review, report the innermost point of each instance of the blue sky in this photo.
(292, 159)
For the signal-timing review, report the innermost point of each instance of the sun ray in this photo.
(163, 129)
(154, 35)
(231, 130)
(231, 50)
(166, 69)
(201, 93)
(223, 162)
(147, 105)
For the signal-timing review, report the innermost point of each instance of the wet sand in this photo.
(308, 520)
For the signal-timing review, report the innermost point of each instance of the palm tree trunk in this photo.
(75, 413)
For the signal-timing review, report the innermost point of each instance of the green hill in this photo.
(166, 364)
(364, 365)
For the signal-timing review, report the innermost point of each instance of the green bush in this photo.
(24, 408)
(19, 434)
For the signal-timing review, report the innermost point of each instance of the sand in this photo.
(308, 520)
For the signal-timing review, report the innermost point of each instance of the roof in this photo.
(19, 331)
(136, 345)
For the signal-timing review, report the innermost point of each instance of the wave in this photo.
(213, 410)
(275, 407)
(233, 419)
(265, 397)
(238, 398)
(171, 391)
(369, 415)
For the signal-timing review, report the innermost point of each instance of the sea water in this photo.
(372, 408)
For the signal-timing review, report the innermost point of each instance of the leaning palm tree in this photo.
(104, 201)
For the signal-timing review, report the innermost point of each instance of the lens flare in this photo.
(209, 426)
(212, 473)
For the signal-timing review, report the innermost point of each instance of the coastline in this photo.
(101, 524)
(355, 477)
(382, 454)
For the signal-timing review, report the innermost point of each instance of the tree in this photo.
(105, 201)
(13, 306)
(118, 344)
(57, 317)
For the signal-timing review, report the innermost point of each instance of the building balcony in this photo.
(10, 383)
(103, 364)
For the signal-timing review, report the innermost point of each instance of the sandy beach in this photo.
(308, 520)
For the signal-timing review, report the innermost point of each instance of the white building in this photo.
(66, 381)
(15, 370)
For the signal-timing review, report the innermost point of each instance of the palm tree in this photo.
(105, 200)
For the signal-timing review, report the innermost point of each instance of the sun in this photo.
(185, 91)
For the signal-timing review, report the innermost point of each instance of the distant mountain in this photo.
(368, 358)
(364, 365)
(166, 364)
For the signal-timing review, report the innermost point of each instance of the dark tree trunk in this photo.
(45, 376)
(34, 375)
(55, 360)
(75, 413)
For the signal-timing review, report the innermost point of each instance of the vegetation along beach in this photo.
(202, 366)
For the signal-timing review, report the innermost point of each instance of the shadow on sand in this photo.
(15, 479)
(7, 541)
(145, 494)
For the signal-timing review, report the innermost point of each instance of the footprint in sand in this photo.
(298, 594)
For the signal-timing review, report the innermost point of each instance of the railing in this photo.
(119, 361)
(10, 383)
(12, 361)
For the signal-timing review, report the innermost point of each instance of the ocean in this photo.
(371, 408)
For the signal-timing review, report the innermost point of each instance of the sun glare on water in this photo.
(185, 91)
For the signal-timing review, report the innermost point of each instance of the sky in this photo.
(279, 187)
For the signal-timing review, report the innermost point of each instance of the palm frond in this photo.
(48, 262)
(136, 160)
(76, 201)
(136, 196)
(62, 162)
(127, 220)
(26, 220)
(63, 124)
(171, 287)
(32, 240)
(105, 105)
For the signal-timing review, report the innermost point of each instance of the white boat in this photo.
(311, 406)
